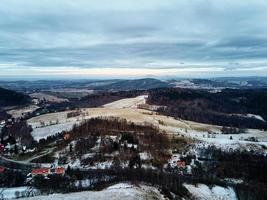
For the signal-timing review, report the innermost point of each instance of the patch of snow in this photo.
(15, 192)
(201, 191)
(145, 156)
(43, 132)
(21, 112)
(255, 117)
(75, 163)
(173, 160)
(234, 181)
(47, 97)
(118, 191)
(102, 165)
(128, 102)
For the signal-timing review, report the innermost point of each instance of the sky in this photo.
(132, 38)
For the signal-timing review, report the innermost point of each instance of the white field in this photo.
(47, 97)
(203, 192)
(18, 113)
(15, 192)
(115, 192)
(256, 117)
(188, 129)
(72, 90)
(127, 103)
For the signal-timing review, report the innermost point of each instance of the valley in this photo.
(128, 133)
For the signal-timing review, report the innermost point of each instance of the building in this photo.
(2, 148)
(2, 169)
(66, 136)
(60, 170)
(181, 164)
(48, 171)
(40, 171)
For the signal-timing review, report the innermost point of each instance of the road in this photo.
(17, 165)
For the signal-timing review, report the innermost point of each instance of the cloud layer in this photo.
(153, 37)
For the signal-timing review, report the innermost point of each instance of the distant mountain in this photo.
(221, 83)
(21, 86)
(137, 84)
(12, 98)
(243, 82)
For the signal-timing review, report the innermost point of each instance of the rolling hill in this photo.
(12, 98)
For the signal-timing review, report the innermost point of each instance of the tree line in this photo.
(213, 108)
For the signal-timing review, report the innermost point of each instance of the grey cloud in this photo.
(106, 34)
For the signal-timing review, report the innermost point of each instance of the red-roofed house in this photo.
(60, 170)
(40, 171)
(2, 169)
(2, 147)
(180, 164)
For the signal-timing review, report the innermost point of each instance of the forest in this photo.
(12, 98)
(225, 108)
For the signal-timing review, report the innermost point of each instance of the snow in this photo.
(126, 109)
(145, 156)
(173, 160)
(21, 112)
(43, 132)
(223, 141)
(102, 165)
(83, 183)
(118, 191)
(128, 102)
(47, 97)
(75, 163)
(256, 117)
(11, 193)
(202, 191)
(233, 180)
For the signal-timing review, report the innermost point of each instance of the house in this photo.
(47, 171)
(60, 170)
(2, 147)
(2, 169)
(40, 171)
(181, 164)
(66, 136)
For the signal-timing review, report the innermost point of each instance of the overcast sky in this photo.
(132, 38)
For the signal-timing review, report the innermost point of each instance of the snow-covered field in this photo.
(16, 192)
(126, 109)
(39, 133)
(255, 117)
(47, 97)
(203, 192)
(128, 102)
(42, 128)
(115, 192)
(17, 113)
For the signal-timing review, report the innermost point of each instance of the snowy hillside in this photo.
(118, 191)
(128, 102)
(204, 192)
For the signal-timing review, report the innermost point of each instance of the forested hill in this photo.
(137, 84)
(226, 108)
(12, 98)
